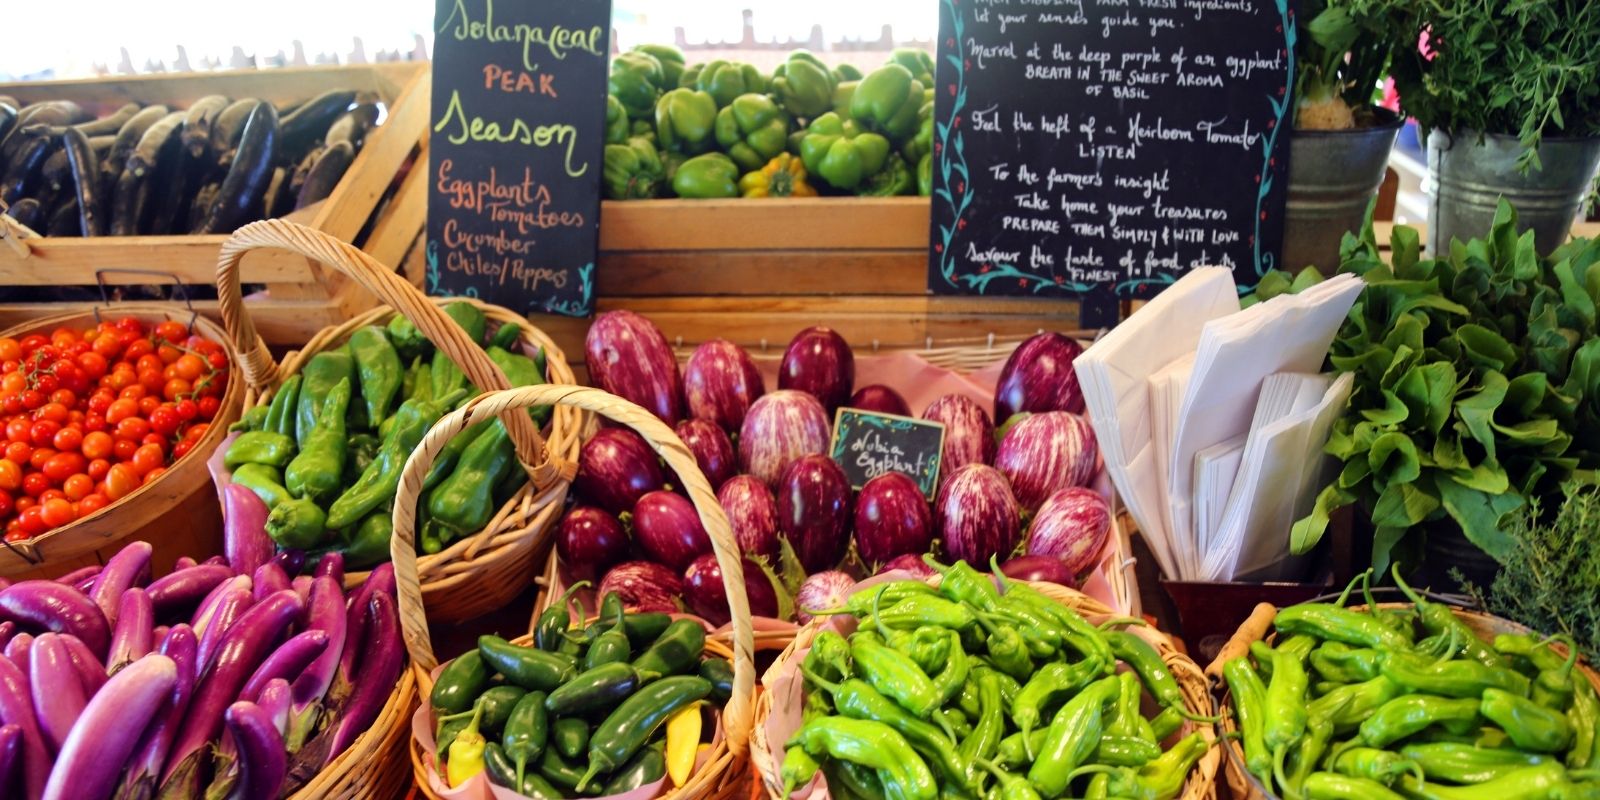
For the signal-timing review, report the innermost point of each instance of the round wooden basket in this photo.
(475, 574)
(1258, 628)
(177, 513)
(722, 774)
(766, 753)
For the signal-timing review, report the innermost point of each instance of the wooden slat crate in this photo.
(388, 176)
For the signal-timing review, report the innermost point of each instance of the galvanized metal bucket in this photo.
(1333, 175)
(1470, 174)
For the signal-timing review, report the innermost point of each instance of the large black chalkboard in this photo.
(1102, 148)
(518, 121)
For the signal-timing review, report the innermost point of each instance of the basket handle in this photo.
(261, 371)
(1254, 629)
(738, 716)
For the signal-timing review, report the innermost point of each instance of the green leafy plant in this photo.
(1477, 384)
(1342, 50)
(1528, 68)
(1550, 578)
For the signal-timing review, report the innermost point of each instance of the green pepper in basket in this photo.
(251, 420)
(406, 338)
(280, 412)
(635, 81)
(259, 447)
(725, 80)
(893, 180)
(1161, 779)
(616, 121)
(379, 367)
(319, 376)
(920, 144)
(887, 101)
(708, 176)
(873, 745)
(368, 545)
(297, 524)
(803, 85)
(843, 93)
(840, 153)
(751, 130)
(464, 502)
(379, 480)
(685, 121)
(265, 480)
(318, 469)
(521, 371)
(925, 176)
(446, 377)
(670, 58)
(527, 731)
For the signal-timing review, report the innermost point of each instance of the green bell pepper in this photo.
(893, 180)
(840, 153)
(887, 101)
(751, 130)
(803, 85)
(685, 121)
(671, 60)
(726, 80)
(707, 176)
(633, 171)
(318, 468)
(918, 62)
(616, 123)
(644, 129)
(635, 81)
(922, 143)
(843, 93)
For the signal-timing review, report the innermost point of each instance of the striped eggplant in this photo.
(629, 357)
(1038, 376)
(814, 511)
(1047, 452)
(720, 381)
(968, 433)
(977, 515)
(90, 762)
(781, 427)
(892, 519)
(616, 468)
(752, 513)
(820, 363)
(1072, 525)
(645, 586)
(879, 399)
(711, 449)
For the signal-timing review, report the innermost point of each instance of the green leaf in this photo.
(1305, 279)
(1477, 410)
(1487, 348)
(1305, 533)
(1402, 505)
(1393, 412)
(1479, 514)
(1427, 391)
(791, 572)
(1393, 459)
(1583, 378)
(1447, 453)
(1383, 542)
(1486, 476)
(1273, 283)
(1574, 294)
(1405, 246)
(1355, 471)
(1526, 393)
(1533, 432)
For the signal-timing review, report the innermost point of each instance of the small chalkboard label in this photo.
(517, 133)
(1100, 149)
(868, 444)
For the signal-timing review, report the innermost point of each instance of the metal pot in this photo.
(1333, 176)
(1470, 173)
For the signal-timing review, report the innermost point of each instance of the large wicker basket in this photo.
(373, 768)
(495, 561)
(723, 774)
(766, 749)
(177, 513)
(1258, 627)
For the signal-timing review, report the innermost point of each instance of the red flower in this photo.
(1021, 283)
(956, 122)
(968, 62)
(1258, 177)
(1272, 162)
(1277, 29)
(1059, 281)
(961, 186)
(1280, 91)
(937, 147)
(984, 268)
(938, 248)
(949, 42)
(1263, 215)
(1272, 123)
(952, 88)
(961, 224)
(1252, 240)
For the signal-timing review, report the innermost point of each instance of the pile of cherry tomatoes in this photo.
(92, 415)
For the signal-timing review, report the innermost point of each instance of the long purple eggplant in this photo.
(752, 513)
(91, 760)
(616, 468)
(10, 756)
(892, 519)
(1038, 376)
(80, 575)
(183, 589)
(213, 629)
(977, 516)
(16, 708)
(244, 530)
(711, 448)
(183, 563)
(290, 560)
(58, 696)
(275, 700)
(267, 579)
(128, 568)
(332, 565)
(780, 428)
(819, 362)
(8, 629)
(133, 635)
(720, 382)
(628, 357)
(18, 649)
(288, 661)
(968, 433)
(302, 586)
(379, 581)
(63, 609)
(208, 606)
(1046, 453)
(143, 770)
(91, 672)
(383, 658)
(263, 764)
(325, 612)
(243, 647)
(814, 511)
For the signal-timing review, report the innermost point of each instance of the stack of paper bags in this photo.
(1211, 419)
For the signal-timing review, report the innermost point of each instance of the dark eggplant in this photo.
(8, 119)
(200, 207)
(178, 180)
(303, 128)
(247, 178)
(86, 179)
(101, 145)
(814, 511)
(278, 200)
(22, 170)
(225, 132)
(325, 174)
(51, 112)
(197, 123)
(64, 219)
(110, 123)
(25, 211)
(160, 142)
(297, 176)
(354, 125)
(127, 138)
(54, 176)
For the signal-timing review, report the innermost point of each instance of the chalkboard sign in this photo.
(868, 444)
(1102, 148)
(518, 118)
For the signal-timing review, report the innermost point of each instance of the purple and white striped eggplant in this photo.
(1038, 377)
(1046, 453)
(615, 468)
(244, 529)
(1039, 568)
(711, 448)
(668, 527)
(819, 362)
(1072, 526)
(53, 607)
(892, 519)
(58, 696)
(826, 589)
(629, 357)
(16, 708)
(644, 586)
(879, 399)
(977, 515)
(90, 762)
(814, 511)
(910, 562)
(134, 633)
(968, 433)
(128, 568)
(590, 540)
(780, 428)
(752, 513)
(263, 762)
(720, 382)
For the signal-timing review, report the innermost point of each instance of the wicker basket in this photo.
(766, 750)
(495, 561)
(1258, 628)
(177, 513)
(722, 775)
(373, 767)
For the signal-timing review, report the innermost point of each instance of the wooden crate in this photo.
(388, 176)
(757, 271)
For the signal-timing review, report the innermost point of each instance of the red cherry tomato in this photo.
(209, 406)
(62, 466)
(92, 503)
(35, 484)
(53, 411)
(10, 475)
(43, 432)
(121, 480)
(124, 449)
(68, 439)
(17, 430)
(148, 457)
(19, 452)
(171, 331)
(78, 486)
(182, 448)
(155, 473)
(98, 468)
(132, 429)
(31, 522)
(121, 409)
(165, 420)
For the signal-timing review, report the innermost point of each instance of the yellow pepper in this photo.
(683, 741)
(783, 176)
(466, 752)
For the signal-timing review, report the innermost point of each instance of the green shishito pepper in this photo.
(1542, 782)
(751, 130)
(1249, 704)
(893, 674)
(1464, 763)
(1009, 653)
(840, 153)
(319, 376)
(803, 84)
(798, 768)
(406, 337)
(707, 176)
(1404, 716)
(379, 367)
(873, 745)
(521, 371)
(1073, 734)
(368, 545)
(445, 376)
(635, 81)
(1449, 678)
(1337, 624)
(379, 480)
(990, 727)
(297, 524)
(632, 170)
(464, 502)
(686, 121)
(318, 469)
(855, 699)
(266, 481)
(1052, 684)
(1339, 662)
(887, 101)
(635, 721)
(726, 80)
(1531, 726)
(259, 447)
(280, 412)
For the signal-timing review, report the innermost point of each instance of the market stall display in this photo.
(633, 702)
(316, 507)
(102, 411)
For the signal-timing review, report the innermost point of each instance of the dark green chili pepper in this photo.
(450, 455)
(459, 684)
(1463, 763)
(318, 469)
(720, 673)
(534, 670)
(856, 699)
(526, 732)
(1530, 725)
(556, 620)
(1449, 678)
(464, 502)
(873, 745)
(890, 673)
(1339, 624)
(611, 646)
(562, 773)
(1404, 716)
(280, 412)
(675, 651)
(1249, 705)
(593, 690)
(521, 371)
(649, 766)
(1072, 738)
(368, 545)
(569, 735)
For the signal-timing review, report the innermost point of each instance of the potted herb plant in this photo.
(1339, 148)
(1510, 93)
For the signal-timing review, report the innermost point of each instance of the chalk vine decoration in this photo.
(579, 307)
(1280, 109)
(436, 285)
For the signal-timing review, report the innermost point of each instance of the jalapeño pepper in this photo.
(526, 733)
(569, 736)
(677, 650)
(534, 670)
(636, 719)
(555, 621)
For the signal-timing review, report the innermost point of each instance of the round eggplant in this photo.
(628, 357)
(892, 519)
(669, 529)
(814, 511)
(1038, 376)
(977, 515)
(752, 513)
(781, 427)
(616, 468)
(720, 381)
(1045, 453)
(711, 448)
(819, 362)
